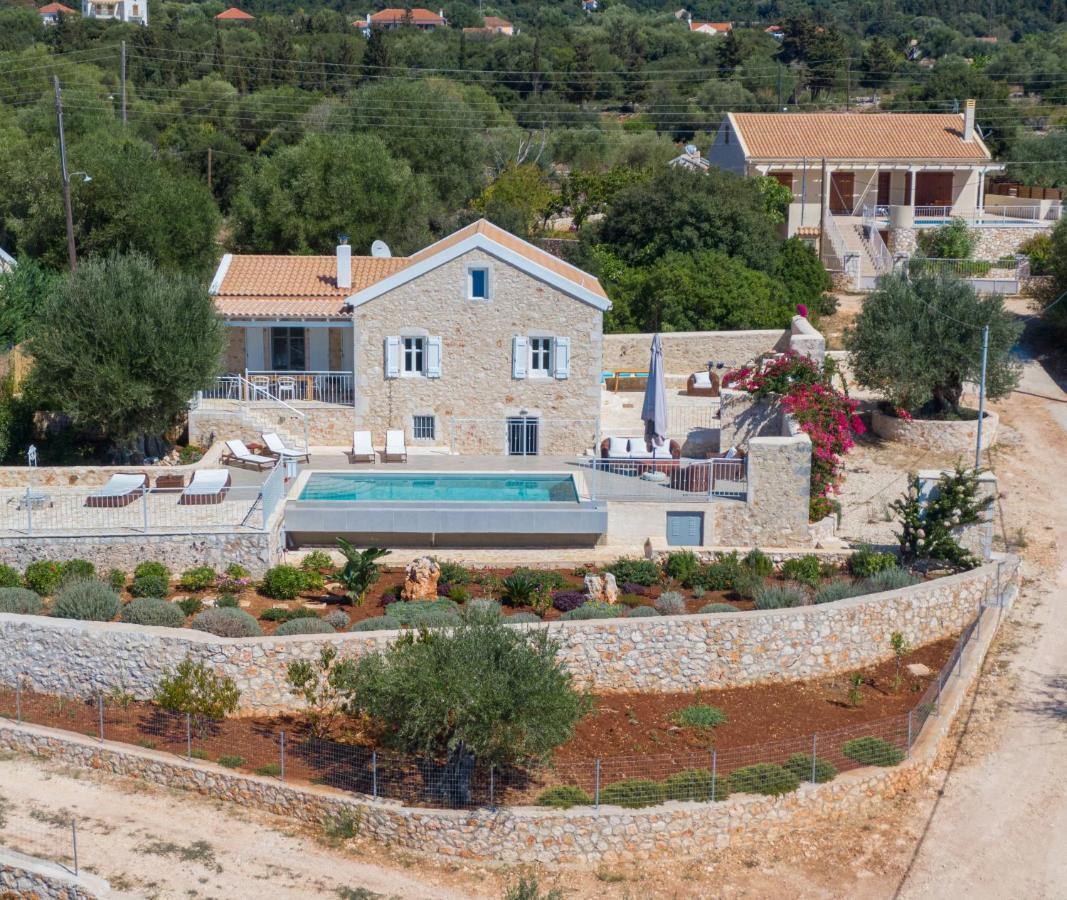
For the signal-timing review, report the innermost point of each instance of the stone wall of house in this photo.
(476, 380)
(675, 653)
(743, 416)
(994, 243)
(510, 835)
(685, 352)
(36, 879)
(935, 435)
(328, 426)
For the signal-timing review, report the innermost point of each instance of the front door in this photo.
(842, 189)
(884, 183)
(288, 350)
(522, 435)
(933, 189)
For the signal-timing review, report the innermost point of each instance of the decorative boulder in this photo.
(602, 588)
(420, 580)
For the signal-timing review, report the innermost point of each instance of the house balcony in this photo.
(294, 387)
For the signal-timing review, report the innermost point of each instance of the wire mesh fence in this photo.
(42, 831)
(269, 748)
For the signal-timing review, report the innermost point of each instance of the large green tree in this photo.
(303, 197)
(24, 291)
(121, 346)
(918, 340)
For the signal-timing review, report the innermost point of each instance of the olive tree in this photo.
(918, 340)
(477, 692)
(121, 347)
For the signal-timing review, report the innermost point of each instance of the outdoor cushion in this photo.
(731, 453)
(702, 379)
(618, 447)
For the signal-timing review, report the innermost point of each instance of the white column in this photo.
(981, 192)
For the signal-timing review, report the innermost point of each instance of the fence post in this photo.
(374, 774)
(714, 772)
(596, 787)
(18, 699)
(100, 709)
(29, 511)
(144, 507)
(281, 773)
(189, 736)
(909, 731)
(74, 842)
(492, 786)
(814, 744)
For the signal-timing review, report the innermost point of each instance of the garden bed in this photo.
(950, 436)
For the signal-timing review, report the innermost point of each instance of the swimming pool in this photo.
(439, 488)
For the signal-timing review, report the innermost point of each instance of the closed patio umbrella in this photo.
(654, 409)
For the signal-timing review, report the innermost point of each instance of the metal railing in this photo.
(665, 480)
(880, 255)
(1037, 212)
(1007, 268)
(53, 510)
(333, 388)
(838, 248)
(292, 754)
(256, 401)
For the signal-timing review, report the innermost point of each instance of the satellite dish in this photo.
(380, 248)
(691, 149)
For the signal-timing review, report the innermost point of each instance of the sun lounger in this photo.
(395, 448)
(237, 452)
(206, 486)
(276, 447)
(362, 449)
(120, 490)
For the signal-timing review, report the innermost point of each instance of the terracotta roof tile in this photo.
(233, 14)
(57, 8)
(856, 136)
(394, 16)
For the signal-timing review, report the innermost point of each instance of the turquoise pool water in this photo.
(503, 488)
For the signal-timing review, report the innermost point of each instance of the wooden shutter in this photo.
(433, 357)
(392, 357)
(519, 351)
(561, 357)
(318, 349)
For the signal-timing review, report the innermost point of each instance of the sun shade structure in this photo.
(654, 410)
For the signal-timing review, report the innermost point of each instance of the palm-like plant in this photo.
(360, 571)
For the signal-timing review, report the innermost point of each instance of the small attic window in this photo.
(477, 284)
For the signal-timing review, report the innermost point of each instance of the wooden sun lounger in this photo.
(206, 487)
(120, 490)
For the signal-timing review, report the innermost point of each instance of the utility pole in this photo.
(779, 87)
(981, 400)
(71, 253)
(209, 154)
(124, 83)
(848, 87)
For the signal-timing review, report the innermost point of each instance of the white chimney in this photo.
(344, 263)
(968, 120)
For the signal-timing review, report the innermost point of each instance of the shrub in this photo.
(195, 689)
(376, 623)
(226, 623)
(631, 587)
(272, 770)
(458, 594)
(867, 561)
(638, 571)
(800, 765)
(698, 715)
(594, 609)
(231, 762)
(641, 612)
(443, 587)
(21, 601)
(837, 590)
(227, 601)
(953, 240)
(43, 576)
(721, 575)
(9, 577)
(805, 569)
(632, 600)
(718, 608)
(681, 564)
(519, 588)
(484, 606)
(316, 561)
(283, 582)
(236, 570)
(748, 585)
(361, 571)
(275, 614)
(153, 611)
(422, 612)
(523, 618)
(670, 603)
(78, 568)
(758, 563)
(313, 580)
(304, 625)
(872, 751)
(149, 586)
(453, 572)
(156, 569)
(86, 599)
(564, 796)
(695, 784)
(763, 778)
(889, 580)
(633, 793)
(336, 619)
(117, 579)
(775, 596)
(199, 578)
(190, 605)
(565, 601)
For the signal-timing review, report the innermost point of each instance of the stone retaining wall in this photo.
(936, 435)
(670, 653)
(511, 835)
(993, 243)
(26, 876)
(16, 477)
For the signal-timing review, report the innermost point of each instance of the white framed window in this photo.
(477, 283)
(540, 357)
(423, 428)
(414, 355)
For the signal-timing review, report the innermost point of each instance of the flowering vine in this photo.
(824, 413)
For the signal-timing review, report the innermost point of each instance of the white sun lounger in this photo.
(277, 448)
(120, 490)
(395, 448)
(206, 486)
(362, 448)
(237, 452)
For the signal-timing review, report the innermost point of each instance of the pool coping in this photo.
(294, 494)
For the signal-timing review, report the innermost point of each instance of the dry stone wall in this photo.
(935, 435)
(28, 877)
(674, 653)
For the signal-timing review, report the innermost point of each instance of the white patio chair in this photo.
(395, 448)
(286, 387)
(362, 449)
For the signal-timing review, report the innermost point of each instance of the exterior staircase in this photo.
(251, 414)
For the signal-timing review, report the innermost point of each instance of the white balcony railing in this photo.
(666, 480)
(334, 388)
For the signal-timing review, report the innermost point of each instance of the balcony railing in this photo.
(665, 480)
(331, 388)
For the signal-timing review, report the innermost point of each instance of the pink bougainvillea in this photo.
(825, 414)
